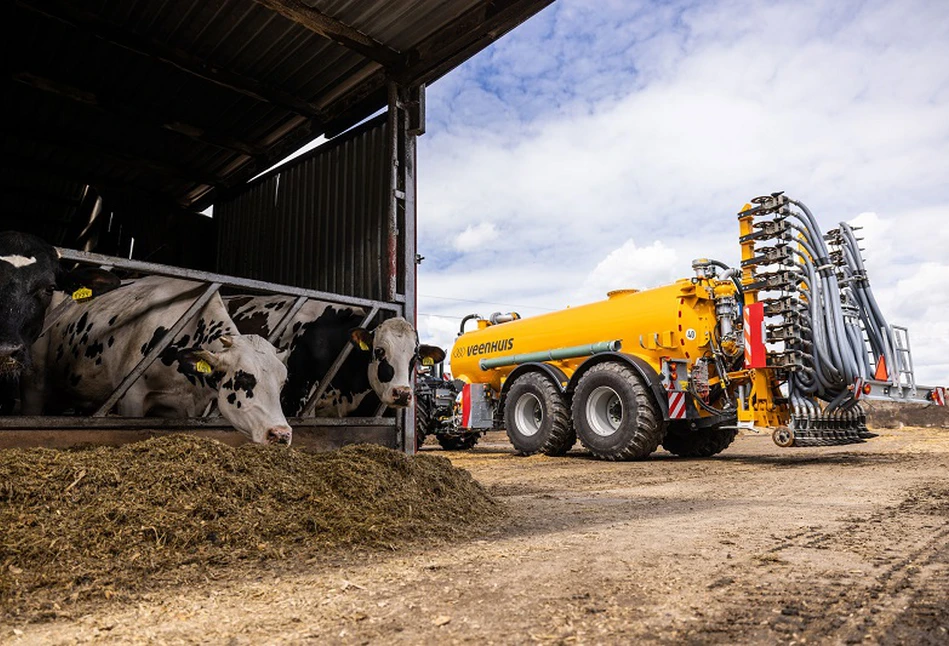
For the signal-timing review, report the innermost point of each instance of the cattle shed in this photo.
(142, 135)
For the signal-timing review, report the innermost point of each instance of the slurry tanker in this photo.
(791, 341)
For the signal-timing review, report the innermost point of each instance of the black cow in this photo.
(29, 274)
(381, 367)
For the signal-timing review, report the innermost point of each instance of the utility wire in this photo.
(466, 300)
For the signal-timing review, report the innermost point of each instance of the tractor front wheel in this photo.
(458, 442)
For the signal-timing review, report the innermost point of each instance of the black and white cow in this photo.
(30, 273)
(91, 349)
(381, 367)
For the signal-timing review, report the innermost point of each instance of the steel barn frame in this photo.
(131, 118)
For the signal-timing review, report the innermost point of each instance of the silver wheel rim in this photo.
(528, 414)
(604, 411)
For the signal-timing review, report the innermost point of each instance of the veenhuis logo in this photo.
(501, 345)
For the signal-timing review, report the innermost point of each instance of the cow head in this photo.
(394, 350)
(29, 274)
(248, 374)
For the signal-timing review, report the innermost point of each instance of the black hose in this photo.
(461, 329)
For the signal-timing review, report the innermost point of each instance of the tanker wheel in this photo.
(537, 418)
(615, 415)
(458, 443)
(783, 437)
(699, 444)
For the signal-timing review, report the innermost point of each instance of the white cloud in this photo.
(596, 123)
(630, 266)
(476, 237)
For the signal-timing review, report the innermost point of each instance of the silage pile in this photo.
(102, 522)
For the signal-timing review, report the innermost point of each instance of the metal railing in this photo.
(213, 284)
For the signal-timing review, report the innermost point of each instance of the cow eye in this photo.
(379, 353)
(44, 289)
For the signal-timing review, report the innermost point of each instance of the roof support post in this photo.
(405, 122)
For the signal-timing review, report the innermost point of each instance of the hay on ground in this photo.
(99, 522)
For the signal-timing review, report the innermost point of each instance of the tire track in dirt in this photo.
(890, 584)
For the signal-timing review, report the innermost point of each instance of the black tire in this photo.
(458, 443)
(699, 444)
(615, 415)
(423, 422)
(537, 418)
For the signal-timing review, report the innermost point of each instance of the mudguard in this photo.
(555, 374)
(641, 366)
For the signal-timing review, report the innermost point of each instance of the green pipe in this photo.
(552, 355)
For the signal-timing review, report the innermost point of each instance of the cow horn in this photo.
(227, 340)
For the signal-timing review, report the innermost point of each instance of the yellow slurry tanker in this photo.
(790, 341)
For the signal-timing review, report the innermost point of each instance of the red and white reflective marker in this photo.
(676, 405)
(756, 355)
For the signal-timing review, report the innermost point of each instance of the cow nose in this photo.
(401, 396)
(10, 349)
(279, 435)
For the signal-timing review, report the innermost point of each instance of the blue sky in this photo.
(604, 145)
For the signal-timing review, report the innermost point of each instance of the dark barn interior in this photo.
(148, 130)
(165, 107)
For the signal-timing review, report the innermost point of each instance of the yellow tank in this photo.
(676, 320)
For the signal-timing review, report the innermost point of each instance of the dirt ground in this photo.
(758, 545)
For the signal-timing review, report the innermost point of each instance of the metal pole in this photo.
(165, 341)
(392, 224)
(285, 321)
(190, 423)
(229, 281)
(410, 265)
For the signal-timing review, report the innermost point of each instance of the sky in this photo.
(605, 144)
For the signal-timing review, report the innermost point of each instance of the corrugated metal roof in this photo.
(170, 100)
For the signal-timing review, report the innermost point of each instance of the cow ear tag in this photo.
(203, 367)
(364, 346)
(82, 294)
(428, 361)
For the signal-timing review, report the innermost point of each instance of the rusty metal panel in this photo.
(317, 222)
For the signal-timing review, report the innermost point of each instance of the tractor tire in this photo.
(699, 444)
(456, 443)
(537, 418)
(615, 415)
(423, 422)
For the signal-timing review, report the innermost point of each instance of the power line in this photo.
(466, 300)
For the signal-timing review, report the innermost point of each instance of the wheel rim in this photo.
(528, 414)
(783, 437)
(604, 411)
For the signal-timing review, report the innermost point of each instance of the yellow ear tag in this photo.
(363, 346)
(428, 361)
(82, 294)
(203, 367)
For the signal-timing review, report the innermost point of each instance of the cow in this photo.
(90, 350)
(380, 369)
(30, 273)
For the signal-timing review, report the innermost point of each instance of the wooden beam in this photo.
(136, 114)
(465, 36)
(333, 29)
(90, 23)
